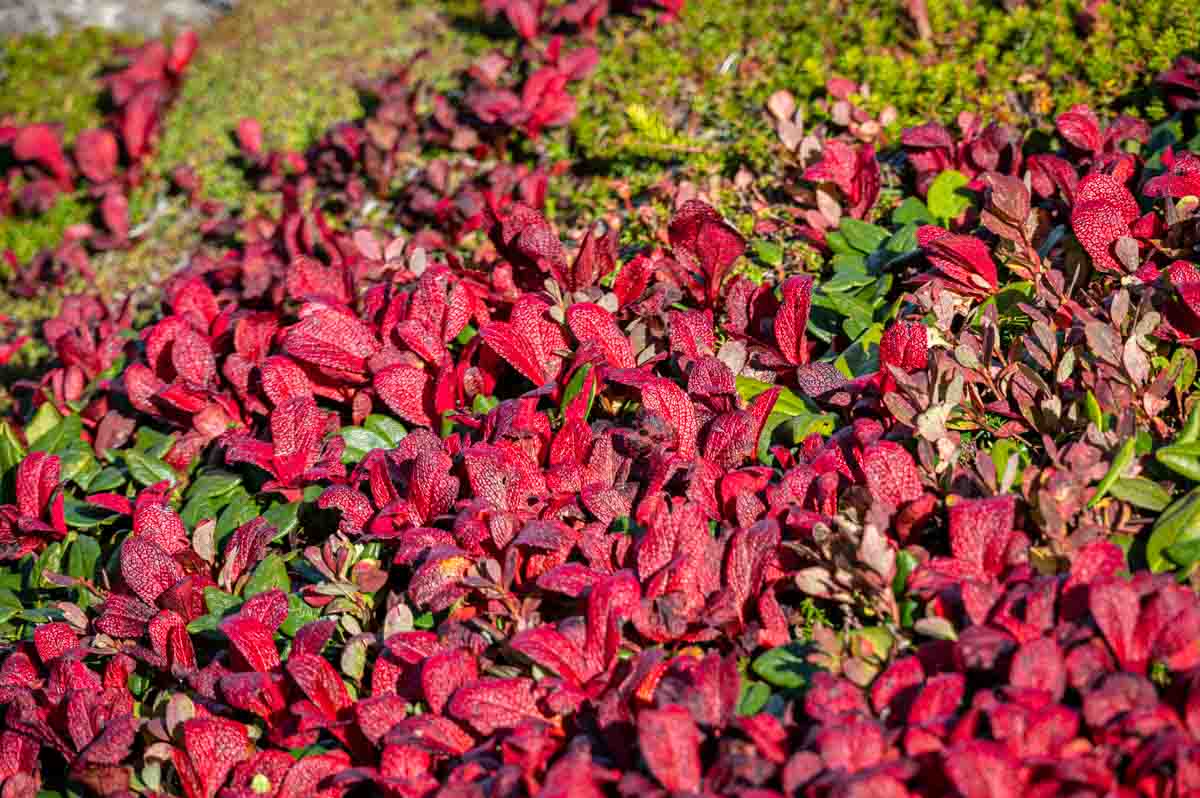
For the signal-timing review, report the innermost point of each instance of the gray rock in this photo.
(148, 17)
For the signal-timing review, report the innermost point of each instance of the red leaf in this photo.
(405, 389)
(250, 137)
(331, 340)
(980, 531)
(904, 344)
(792, 319)
(37, 479)
(445, 672)
(41, 144)
(1104, 208)
(592, 324)
(320, 682)
(490, 704)
(698, 233)
(1115, 607)
(147, 569)
(253, 642)
(182, 50)
(668, 401)
(891, 473)
(1081, 128)
(211, 748)
(553, 651)
(54, 639)
(1039, 665)
(983, 769)
(528, 340)
(963, 260)
(670, 743)
(96, 153)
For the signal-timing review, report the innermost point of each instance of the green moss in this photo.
(709, 77)
(292, 66)
(26, 236)
(52, 79)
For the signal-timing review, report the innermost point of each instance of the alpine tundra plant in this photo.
(467, 507)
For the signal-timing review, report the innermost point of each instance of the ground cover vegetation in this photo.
(570, 418)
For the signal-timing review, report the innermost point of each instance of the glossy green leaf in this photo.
(946, 197)
(1141, 492)
(148, 470)
(784, 667)
(271, 573)
(862, 236)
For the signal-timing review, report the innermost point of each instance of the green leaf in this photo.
(49, 561)
(79, 465)
(11, 451)
(838, 244)
(769, 252)
(285, 517)
(1119, 464)
(151, 442)
(239, 511)
(1004, 450)
(109, 479)
(386, 427)
(912, 211)
(862, 236)
(211, 484)
(299, 613)
(852, 308)
(1141, 492)
(793, 416)
(482, 405)
(82, 557)
(148, 470)
(862, 356)
(575, 387)
(946, 200)
(82, 515)
(59, 436)
(271, 573)
(1094, 413)
(1183, 359)
(784, 667)
(218, 601)
(1184, 554)
(45, 419)
(753, 698)
(359, 442)
(906, 563)
(1179, 523)
(903, 240)
(1182, 458)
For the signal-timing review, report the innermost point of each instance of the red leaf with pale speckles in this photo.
(488, 705)
(891, 473)
(594, 325)
(668, 401)
(980, 531)
(700, 235)
(792, 319)
(211, 747)
(670, 744)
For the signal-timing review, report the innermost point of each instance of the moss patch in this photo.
(53, 79)
(680, 101)
(292, 65)
(694, 92)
